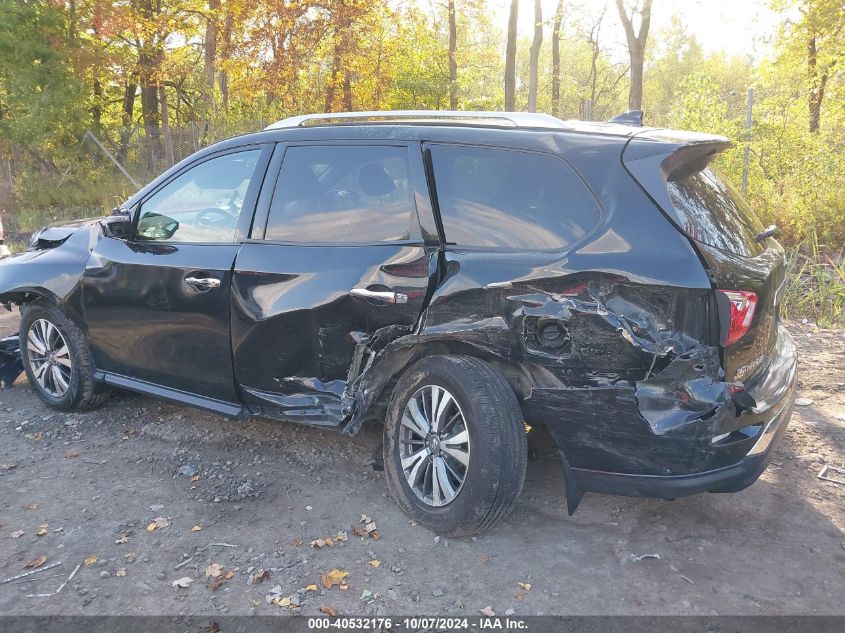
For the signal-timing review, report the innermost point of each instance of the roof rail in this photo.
(631, 117)
(506, 119)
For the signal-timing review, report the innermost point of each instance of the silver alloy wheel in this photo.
(49, 357)
(434, 445)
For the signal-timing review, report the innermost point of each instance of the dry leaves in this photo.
(159, 523)
(488, 611)
(42, 530)
(311, 587)
(375, 563)
(259, 576)
(334, 577)
(90, 560)
(195, 478)
(196, 528)
(288, 602)
(122, 538)
(217, 575)
(120, 573)
(369, 528)
(30, 506)
(328, 611)
(296, 542)
(525, 585)
(37, 437)
(331, 540)
(71, 454)
(17, 534)
(183, 582)
(35, 562)
(213, 628)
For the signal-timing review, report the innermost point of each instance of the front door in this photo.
(157, 305)
(342, 256)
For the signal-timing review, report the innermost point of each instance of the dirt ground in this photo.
(250, 496)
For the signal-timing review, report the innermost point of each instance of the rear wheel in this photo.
(454, 448)
(57, 359)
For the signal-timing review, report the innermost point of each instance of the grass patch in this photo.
(815, 287)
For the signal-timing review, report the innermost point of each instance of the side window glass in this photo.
(328, 193)
(510, 199)
(201, 205)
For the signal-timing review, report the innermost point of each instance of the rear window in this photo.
(499, 198)
(712, 212)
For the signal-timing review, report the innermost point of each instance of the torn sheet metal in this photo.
(11, 365)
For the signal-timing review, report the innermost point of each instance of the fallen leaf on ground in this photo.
(35, 562)
(196, 528)
(123, 537)
(375, 563)
(484, 559)
(158, 523)
(213, 571)
(120, 573)
(365, 519)
(286, 602)
(42, 530)
(365, 594)
(195, 478)
(17, 534)
(71, 454)
(30, 506)
(328, 611)
(213, 628)
(259, 576)
(359, 531)
(334, 577)
(183, 582)
(525, 585)
(296, 542)
(322, 542)
(37, 437)
(488, 611)
(90, 560)
(311, 587)
(341, 536)
(520, 595)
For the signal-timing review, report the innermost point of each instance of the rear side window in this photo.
(503, 198)
(711, 212)
(342, 194)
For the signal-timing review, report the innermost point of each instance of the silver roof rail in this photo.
(506, 119)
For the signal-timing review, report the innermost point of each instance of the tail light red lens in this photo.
(742, 305)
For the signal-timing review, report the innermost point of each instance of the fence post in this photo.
(746, 160)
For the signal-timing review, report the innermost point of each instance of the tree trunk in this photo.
(556, 59)
(96, 104)
(165, 125)
(534, 59)
(342, 46)
(210, 53)
(636, 48)
(225, 53)
(510, 59)
(126, 117)
(817, 86)
(147, 67)
(453, 57)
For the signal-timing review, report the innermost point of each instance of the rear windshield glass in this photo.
(711, 212)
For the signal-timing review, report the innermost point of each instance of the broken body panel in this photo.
(636, 387)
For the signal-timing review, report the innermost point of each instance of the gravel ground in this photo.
(239, 503)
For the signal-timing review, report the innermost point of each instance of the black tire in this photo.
(82, 391)
(498, 447)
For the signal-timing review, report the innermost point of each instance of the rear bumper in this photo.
(775, 396)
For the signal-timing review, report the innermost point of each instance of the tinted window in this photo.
(342, 194)
(710, 211)
(510, 199)
(201, 205)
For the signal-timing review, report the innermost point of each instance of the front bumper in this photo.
(775, 397)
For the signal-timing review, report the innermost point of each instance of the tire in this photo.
(485, 490)
(75, 389)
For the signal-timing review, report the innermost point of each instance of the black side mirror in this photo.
(119, 226)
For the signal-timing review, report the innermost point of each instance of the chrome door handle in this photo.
(378, 295)
(203, 284)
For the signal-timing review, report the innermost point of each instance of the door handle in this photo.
(385, 296)
(202, 284)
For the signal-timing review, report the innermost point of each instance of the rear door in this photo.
(157, 304)
(341, 256)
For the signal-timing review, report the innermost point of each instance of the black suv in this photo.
(460, 277)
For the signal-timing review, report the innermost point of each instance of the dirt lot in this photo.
(251, 496)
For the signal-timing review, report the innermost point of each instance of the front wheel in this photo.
(57, 359)
(455, 450)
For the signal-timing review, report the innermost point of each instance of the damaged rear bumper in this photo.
(723, 452)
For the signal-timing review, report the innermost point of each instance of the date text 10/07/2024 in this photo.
(417, 623)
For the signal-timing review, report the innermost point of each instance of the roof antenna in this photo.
(631, 117)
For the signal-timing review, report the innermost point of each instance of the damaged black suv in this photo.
(458, 276)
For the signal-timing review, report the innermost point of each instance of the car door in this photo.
(157, 304)
(342, 255)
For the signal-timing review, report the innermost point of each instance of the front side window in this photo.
(342, 194)
(202, 204)
(499, 198)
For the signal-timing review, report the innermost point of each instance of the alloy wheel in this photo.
(434, 446)
(49, 357)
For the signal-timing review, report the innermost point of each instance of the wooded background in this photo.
(150, 81)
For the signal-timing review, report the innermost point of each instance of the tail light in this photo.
(742, 305)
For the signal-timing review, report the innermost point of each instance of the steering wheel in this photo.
(206, 217)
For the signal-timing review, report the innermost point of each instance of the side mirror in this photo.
(154, 226)
(119, 226)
